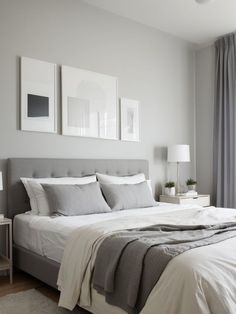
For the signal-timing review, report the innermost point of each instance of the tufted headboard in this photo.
(18, 201)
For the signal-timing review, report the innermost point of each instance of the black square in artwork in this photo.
(38, 106)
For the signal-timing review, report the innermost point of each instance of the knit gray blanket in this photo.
(129, 263)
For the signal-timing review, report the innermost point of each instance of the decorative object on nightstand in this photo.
(202, 200)
(6, 260)
(170, 188)
(178, 153)
(191, 184)
(190, 193)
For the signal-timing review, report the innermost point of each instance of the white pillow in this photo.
(33, 203)
(106, 179)
(134, 179)
(38, 198)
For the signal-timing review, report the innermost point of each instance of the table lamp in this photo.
(178, 153)
(1, 189)
(1, 184)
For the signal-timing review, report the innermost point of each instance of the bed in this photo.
(198, 281)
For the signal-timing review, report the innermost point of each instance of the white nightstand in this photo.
(202, 200)
(6, 261)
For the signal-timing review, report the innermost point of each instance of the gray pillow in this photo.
(74, 200)
(127, 196)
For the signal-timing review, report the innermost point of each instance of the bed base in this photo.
(40, 267)
(36, 265)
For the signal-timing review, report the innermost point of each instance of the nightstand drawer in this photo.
(201, 200)
(198, 200)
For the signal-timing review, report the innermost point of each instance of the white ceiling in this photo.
(197, 23)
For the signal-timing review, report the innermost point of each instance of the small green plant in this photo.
(170, 184)
(191, 181)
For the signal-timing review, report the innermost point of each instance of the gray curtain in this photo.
(225, 122)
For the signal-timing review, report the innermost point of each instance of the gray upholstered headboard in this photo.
(18, 201)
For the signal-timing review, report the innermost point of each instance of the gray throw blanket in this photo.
(129, 263)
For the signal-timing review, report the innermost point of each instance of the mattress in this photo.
(47, 236)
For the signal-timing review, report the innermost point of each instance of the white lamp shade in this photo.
(178, 153)
(1, 185)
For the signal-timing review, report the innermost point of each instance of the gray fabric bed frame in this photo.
(38, 266)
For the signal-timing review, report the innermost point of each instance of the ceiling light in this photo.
(204, 1)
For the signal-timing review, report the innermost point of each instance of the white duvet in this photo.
(202, 280)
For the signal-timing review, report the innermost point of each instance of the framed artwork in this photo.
(89, 104)
(129, 109)
(38, 96)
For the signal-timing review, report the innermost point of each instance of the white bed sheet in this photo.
(47, 236)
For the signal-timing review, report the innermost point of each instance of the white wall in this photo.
(151, 66)
(204, 118)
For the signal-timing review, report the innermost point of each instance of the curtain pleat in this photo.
(224, 122)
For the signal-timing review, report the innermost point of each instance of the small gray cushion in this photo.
(74, 200)
(127, 196)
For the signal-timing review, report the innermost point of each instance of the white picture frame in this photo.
(130, 124)
(38, 96)
(89, 104)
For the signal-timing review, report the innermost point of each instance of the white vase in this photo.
(170, 191)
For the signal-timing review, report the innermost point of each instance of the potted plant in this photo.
(170, 188)
(191, 184)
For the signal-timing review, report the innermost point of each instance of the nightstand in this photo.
(202, 200)
(6, 260)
